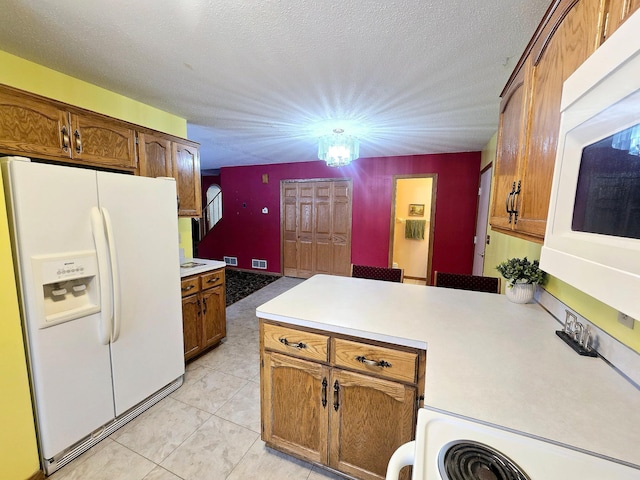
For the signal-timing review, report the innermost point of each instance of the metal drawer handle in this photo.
(373, 363)
(514, 203)
(336, 396)
(213, 280)
(324, 392)
(187, 288)
(65, 138)
(286, 342)
(76, 134)
(509, 205)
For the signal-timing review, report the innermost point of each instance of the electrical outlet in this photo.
(626, 320)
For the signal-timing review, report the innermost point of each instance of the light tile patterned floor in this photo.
(208, 429)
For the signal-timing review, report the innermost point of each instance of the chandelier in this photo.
(338, 149)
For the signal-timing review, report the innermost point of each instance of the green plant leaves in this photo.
(521, 270)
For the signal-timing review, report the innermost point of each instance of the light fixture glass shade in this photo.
(338, 149)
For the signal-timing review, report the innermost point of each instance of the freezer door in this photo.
(146, 349)
(70, 369)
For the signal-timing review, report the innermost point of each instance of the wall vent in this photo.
(261, 264)
(231, 261)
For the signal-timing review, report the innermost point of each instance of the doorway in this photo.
(480, 238)
(412, 223)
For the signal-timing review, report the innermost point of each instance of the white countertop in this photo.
(205, 266)
(487, 358)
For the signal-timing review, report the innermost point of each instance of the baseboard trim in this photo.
(249, 270)
(39, 475)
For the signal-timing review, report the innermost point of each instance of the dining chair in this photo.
(467, 282)
(377, 273)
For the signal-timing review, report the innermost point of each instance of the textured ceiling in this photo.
(260, 81)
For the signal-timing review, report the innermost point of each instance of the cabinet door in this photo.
(369, 419)
(295, 405)
(576, 36)
(102, 141)
(186, 171)
(214, 326)
(154, 154)
(511, 145)
(191, 325)
(32, 127)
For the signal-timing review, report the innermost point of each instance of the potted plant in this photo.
(522, 276)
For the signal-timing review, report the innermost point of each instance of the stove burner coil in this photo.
(474, 461)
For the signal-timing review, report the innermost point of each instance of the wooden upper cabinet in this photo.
(166, 156)
(42, 128)
(154, 154)
(102, 141)
(514, 110)
(577, 35)
(617, 13)
(186, 171)
(530, 116)
(29, 126)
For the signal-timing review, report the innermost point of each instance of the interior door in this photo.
(316, 227)
(481, 222)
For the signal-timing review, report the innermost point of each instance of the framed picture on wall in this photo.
(416, 209)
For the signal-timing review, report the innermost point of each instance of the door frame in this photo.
(432, 215)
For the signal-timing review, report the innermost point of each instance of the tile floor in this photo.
(208, 429)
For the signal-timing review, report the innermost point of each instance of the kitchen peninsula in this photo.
(486, 358)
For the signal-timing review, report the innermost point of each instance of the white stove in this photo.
(452, 447)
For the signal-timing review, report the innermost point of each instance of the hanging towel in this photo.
(414, 229)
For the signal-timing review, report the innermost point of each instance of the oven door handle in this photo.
(403, 456)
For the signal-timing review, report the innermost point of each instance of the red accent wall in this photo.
(246, 233)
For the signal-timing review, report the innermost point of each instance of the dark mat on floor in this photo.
(240, 284)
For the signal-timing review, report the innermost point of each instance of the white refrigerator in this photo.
(97, 259)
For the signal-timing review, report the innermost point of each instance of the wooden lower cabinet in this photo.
(203, 312)
(374, 417)
(349, 421)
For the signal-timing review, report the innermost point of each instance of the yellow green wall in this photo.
(17, 434)
(19, 73)
(503, 247)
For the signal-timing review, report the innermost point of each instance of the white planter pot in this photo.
(520, 292)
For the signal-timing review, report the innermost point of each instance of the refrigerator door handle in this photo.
(115, 278)
(97, 227)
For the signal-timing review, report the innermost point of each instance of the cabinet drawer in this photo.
(212, 279)
(189, 286)
(372, 359)
(295, 342)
